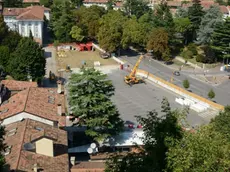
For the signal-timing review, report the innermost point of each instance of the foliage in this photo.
(90, 93)
(12, 3)
(2, 147)
(77, 2)
(187, 54)
(211, 94)
(209, 54)
(158, 42)
(211, 19)
(221, 122)
(77, 33)
(193, 48)
(3, 28)
(220, 39)
(181, 12)
(158, 134)
(46, 3)
(28, 58)
(202, 150)
(186, 84)
(195, 14)
(111, 29)
(11, 40)
(88, 20)
(4, 56)
(201, 58)
(62, 20)
(136, 7)
(134, 33)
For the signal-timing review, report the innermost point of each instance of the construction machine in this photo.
(132, 78)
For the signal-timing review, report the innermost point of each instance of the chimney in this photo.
(35, 168)
(72, 160)
(59, 110)
(59, 84)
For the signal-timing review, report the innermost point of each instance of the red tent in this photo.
(89, 46)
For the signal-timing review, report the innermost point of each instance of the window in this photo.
(23, 29)
(29, 29)
(36, 35)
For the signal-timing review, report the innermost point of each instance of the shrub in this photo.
(201, 58)
(187, 54)
(193, 48)
(211, 94)
(186, 84)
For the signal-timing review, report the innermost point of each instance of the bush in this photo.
(201, 58)
(211, 94)
(187, 54)
(209, 54)
(186, 84)
(193, 48)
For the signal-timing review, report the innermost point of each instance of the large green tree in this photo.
(195, 14)
(77, 33)
(220, 40)
(4, 57)
(90, 92)
(2, 147)
(136, 7)
(158, 43)
(27, 60)
(62, 20)
(3, 29)
(12, 3)
(201, 150)
(158, 134)
(11, 40)
(111, 30)
(211, 19)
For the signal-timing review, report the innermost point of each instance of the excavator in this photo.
(132, 79)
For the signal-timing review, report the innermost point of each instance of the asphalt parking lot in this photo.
(141, 98)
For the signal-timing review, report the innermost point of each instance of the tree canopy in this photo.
(28, 59)
(90, 92)
(136, 7)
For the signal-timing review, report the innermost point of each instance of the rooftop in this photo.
(20, 133)
(88, 167)
(31, 1)
(18, 85)
(41, 102)
(28, 13)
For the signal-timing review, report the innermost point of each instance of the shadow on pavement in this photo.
(47, 54)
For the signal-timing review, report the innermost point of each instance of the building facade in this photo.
(26, 20)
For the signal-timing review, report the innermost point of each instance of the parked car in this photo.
(105, 55)
(168, 62)
(177, 73)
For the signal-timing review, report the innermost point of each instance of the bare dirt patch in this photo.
(75, 59)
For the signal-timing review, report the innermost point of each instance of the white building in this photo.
(24, 20)
(103, 3)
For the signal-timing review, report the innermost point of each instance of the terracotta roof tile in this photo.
(95, 1)
(40, 102)
(18, 85)
(31, 1)
(29, 13)
(22, 160)
(88, 167)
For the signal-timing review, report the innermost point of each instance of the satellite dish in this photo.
(90, 150)
(29, 146)
(93, 145)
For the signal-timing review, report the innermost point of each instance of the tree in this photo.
(77, 33)
(3, 28)
(201, 150)
(220, 40)
(211, 19)
(77, 2)
(136, 7)
(90, 93)
(211, 94)
(4, 57)
(133, 34)
(88, 20)
(11, 40)
(195, 13)
(111, 29)
(158, 134)
(28, 59)
(46, 3)
(183, 26)
(12, 3)
(186, 84)
(62, 20)
(2, 147)
(181, 12)
(158, 43)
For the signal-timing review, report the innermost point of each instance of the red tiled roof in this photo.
(31, 1)
(35, 101)
(224, 9)
(31, 12)
(22, 160)
(95, 1)
(18, 85)
(88, 167)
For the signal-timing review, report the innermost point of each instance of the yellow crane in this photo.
(132, 78)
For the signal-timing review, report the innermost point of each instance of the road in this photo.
(201, 88)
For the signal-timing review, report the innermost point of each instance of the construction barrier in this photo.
(178, 89)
